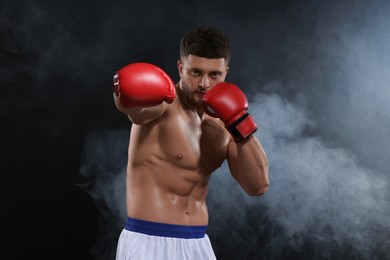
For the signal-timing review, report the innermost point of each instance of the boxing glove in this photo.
(227, 102)
(143, 85)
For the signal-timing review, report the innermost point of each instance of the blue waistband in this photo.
(164, 230)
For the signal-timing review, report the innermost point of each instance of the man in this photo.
(180, 134)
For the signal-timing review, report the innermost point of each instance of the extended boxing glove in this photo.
(143, 85)
(227, 102)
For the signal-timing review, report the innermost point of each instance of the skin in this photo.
(174, 148)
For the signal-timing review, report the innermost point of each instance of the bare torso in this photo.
(170, 163)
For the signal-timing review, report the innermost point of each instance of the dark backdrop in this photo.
(315, 72)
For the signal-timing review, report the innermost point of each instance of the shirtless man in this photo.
(180, 134)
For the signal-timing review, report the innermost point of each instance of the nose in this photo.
(204, 83)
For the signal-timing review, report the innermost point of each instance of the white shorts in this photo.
(146, 240)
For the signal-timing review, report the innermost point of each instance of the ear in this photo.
(180, 68)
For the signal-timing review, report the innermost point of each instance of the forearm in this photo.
(140, 115)
(247, 160)
(252, 166)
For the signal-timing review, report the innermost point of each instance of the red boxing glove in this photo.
(227, 102)
(143, 85)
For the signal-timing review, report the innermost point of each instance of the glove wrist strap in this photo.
(242, 128)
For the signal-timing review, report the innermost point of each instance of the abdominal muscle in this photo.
(167, 193)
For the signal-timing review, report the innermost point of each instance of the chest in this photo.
(194, 143)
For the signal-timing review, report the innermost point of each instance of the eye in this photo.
(195, 73)
(214, 75)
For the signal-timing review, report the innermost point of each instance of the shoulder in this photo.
(214, 128)
(212, 122)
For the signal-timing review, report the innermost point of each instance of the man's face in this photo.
(198, 75)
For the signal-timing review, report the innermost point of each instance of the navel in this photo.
(179, 156)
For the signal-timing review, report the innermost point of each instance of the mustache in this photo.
(187, 89)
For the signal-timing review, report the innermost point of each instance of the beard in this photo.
(189, 98)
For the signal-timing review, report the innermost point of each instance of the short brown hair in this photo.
(207, 42)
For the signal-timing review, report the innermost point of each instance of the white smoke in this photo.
(103, 169)
(318, 193)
